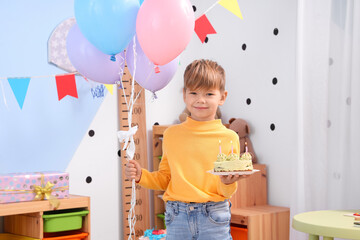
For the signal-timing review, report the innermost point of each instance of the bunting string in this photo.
(3, 93)
(203, 26)
(211, 7)
(43, 76)
(65, 84)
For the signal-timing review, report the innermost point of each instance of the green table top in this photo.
(329, 223)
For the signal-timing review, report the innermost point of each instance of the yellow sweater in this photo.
(189, 151)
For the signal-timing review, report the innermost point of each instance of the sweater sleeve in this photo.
(157, 180)
(226, 190)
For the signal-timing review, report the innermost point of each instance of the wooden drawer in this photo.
(263, 222)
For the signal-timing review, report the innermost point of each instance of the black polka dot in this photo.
(119, 153)
(243, 47)
(206, 39)
(91, 133)
(272, 127)
(248, 101)
(331, 61)
(194, 8)
(276, 31)
(88, 179)
(156, 123)
(328, 123)
(348, 101)
(274, 80)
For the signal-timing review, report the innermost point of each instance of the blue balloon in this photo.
(107, 24)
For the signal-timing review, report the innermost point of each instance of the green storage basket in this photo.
(58, 221)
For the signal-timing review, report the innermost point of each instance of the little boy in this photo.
(197, 205)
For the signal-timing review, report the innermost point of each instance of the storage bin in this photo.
(8, 236)
(238, 233)
(63, 220)
(76, 236)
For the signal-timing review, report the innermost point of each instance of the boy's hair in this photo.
(204, 74)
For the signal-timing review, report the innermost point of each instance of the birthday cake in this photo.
(233, 162)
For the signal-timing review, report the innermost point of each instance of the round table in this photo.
(327, 223)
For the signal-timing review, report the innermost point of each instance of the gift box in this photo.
(21, 187)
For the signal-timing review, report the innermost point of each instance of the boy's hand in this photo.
(229, 179)
(133, 170)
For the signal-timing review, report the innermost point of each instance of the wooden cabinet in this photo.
(26, 218)
(159, 207)
(250, 207)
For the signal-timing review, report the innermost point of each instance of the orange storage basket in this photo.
(239, 233)
(78, 236)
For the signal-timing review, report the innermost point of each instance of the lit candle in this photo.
(232, 147)
(246, 148)
(220, 146)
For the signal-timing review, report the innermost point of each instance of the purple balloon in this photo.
(145, 74)
(91, 62)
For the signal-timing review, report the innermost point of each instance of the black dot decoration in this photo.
(276, 31)
(274, 81)
(348, 101)
(119, 153)
(243, 47)
(248, 101)
(156, 123)
(328, 123)
(194, 8)
(91, 133)
(331, 61)
(88, 179)
(272, 127)
(206, 39)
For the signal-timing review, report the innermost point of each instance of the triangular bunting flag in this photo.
(66, 85)
(203, 27)
(19, 87)
(110, 88)
(232, 6)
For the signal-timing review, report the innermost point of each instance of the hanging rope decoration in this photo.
(129, 144)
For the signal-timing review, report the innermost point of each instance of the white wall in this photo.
(249, 75)
(97, 158)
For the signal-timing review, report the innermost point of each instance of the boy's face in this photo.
(202, 104)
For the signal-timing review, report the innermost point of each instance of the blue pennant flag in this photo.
(19, 87)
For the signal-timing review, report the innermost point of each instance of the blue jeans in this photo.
(198, 221)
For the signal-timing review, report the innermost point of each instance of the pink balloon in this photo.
(164, 28)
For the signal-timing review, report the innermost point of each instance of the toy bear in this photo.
(241, 127)
(186, 113)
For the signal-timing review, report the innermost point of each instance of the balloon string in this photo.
(131, 215)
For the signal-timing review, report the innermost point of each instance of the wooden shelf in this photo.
(263, 222)
(25, 218)
(159, 208)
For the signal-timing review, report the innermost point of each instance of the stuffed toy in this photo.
(186, 113)
(241, 127)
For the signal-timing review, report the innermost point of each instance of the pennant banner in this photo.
(110, 88)
(66, 85)
(203, 27)
(19, 87)
(232, 6)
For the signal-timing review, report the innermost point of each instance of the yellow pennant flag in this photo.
(232, 6)
(110, 88)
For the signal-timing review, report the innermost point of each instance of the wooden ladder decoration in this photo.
(142, 194)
